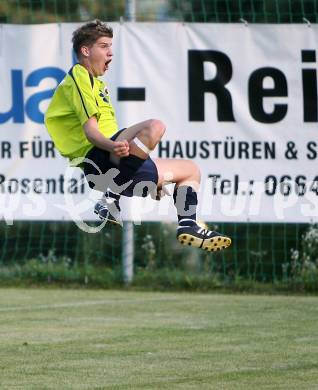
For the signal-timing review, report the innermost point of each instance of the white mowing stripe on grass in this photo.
(85, 303)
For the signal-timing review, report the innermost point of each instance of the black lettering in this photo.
(177, 150)
(236, 184)
(37, 186)
(243, 148)
(204, 148)
(191, 153)
(37, 147)
(257, 92)
(50, 186)
(25, 186)
(310, 101)
(216, 145)
(164, 149)
(5, 149)
(229, 148)
(214, 182)
(72, 189)
(270, 150)
(198, 86)
(83, 181)
(49, 149)
(24, 147)
(225, 187)
(61, 183)
(311, 146)
(13, 186)
(256, 154)
(310, 94)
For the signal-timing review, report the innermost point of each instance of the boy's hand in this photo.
(121, 148)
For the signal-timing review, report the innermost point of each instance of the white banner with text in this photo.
(241, 101)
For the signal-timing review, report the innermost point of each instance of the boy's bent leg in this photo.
(142, 138)
(186, 175)
(181, 172)
(147, 133)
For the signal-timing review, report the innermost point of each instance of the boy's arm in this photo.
(119, 148)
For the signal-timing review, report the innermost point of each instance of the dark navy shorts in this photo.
(146, 173)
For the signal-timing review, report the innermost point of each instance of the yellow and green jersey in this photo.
(77, 98)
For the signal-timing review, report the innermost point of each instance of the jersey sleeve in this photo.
(80, 96)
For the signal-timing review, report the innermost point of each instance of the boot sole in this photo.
(214, 244)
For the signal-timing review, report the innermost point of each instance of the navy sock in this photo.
(186, 201)
(187, 222)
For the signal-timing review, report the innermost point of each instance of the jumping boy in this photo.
(82, 124)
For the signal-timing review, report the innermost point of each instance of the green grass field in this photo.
(94, 339)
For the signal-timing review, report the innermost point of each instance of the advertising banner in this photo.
(240, 101)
